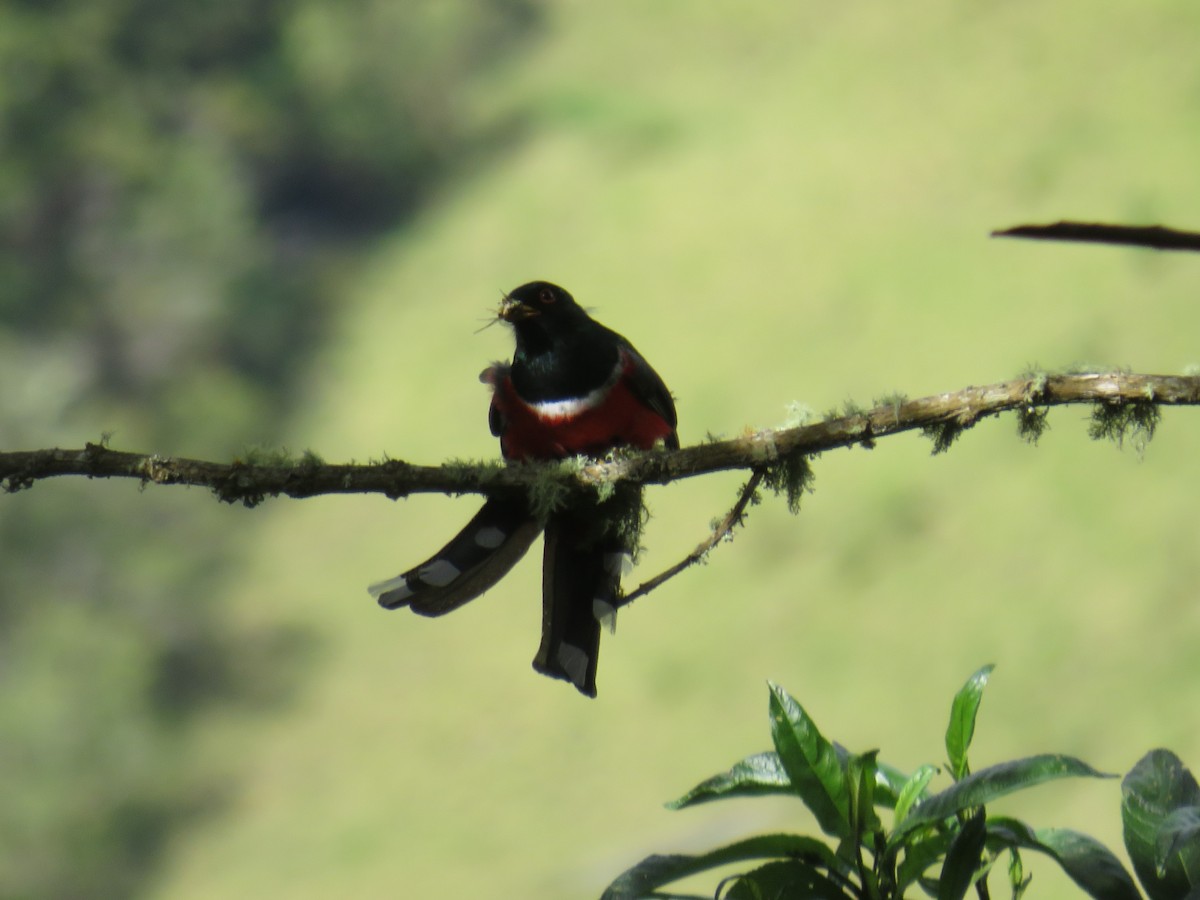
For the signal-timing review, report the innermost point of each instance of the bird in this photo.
(573, 387)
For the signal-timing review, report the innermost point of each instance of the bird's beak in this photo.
(513, 311)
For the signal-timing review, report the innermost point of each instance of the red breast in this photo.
(612, 415)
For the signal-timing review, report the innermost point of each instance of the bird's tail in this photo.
(581, 581)
(474, 560)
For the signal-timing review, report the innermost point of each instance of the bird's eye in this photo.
(545, 295)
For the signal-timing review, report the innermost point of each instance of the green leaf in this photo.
(888, 779)
(964, 859)
(1157, 786)
(655, 871)
(1087, 862)
(788, 878)
(762, 775)
(811, 764)
(920, 852)
(988, 784)
(1017, 879)
(755, 776)
(913, 790)
(861, 777)
(962, 721)
(1179, 840)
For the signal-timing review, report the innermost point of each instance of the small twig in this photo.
(732, 519)
(1156, 237)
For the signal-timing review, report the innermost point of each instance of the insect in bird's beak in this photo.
(515, 310)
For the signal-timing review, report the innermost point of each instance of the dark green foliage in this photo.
(994, 782)
(1160, 810)
(783, 878)
(660, 870)
(964, 858)
(1088, 862)
(812, 765)
(178, 178)
(753, 776)
(945, 843)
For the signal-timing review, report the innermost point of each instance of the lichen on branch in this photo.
(1125, 405)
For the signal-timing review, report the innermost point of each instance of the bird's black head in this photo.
(540, 300)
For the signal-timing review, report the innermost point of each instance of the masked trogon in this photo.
(573, 387)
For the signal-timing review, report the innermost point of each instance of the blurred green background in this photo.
(283, 222)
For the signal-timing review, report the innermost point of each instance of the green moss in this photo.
(792, 476)
(850, 409)
(1037, 378)
(472, 468)
(943, 434)
(625, 514)
(798, 415)
(1032, 423)
(895, 400)
(267, 457)
(1132, 420)
(550, 490)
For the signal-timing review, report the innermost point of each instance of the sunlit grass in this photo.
(776, 204)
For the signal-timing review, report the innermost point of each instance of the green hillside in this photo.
(778, 203)
(788, 204)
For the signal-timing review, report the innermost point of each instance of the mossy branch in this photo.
(1126, 404)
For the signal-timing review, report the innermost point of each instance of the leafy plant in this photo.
(1160, 812)
(942, 842)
